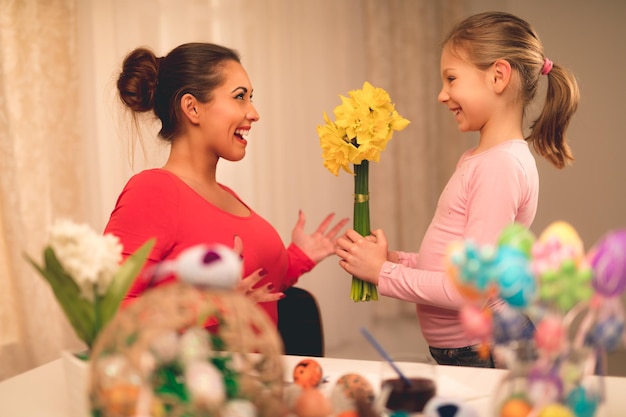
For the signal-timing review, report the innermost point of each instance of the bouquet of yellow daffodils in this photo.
(365, 122)
(87, 277)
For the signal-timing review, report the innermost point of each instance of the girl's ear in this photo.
(189, 107)
(501, 75)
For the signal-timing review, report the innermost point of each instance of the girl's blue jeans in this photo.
(468, 355)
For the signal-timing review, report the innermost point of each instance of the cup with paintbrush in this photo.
(408, 381)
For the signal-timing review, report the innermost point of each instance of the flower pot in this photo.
(76, 382)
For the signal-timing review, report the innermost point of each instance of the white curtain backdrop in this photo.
(300, 55)
(41, 166)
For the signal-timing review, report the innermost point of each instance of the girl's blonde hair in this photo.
(486, 37)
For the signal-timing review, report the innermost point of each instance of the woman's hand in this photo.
(262, 294)
(321, 243)
(362, 256)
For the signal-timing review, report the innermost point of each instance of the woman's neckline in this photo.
(182, 179)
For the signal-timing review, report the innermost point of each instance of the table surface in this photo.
(42, 390)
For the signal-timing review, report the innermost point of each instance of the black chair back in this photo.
(300, 323)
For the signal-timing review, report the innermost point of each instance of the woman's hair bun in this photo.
(138, 80)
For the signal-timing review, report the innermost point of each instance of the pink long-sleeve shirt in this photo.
(487, 192)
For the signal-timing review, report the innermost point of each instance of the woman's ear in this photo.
(502, 72)
(189, 106)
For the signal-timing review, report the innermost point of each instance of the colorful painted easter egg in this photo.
(355, 386)
(307, 373)
(609, 264)
(517, 236)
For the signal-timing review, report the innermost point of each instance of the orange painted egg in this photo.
(121, 399)
(515, 407)
(307, 373)
(312, 403)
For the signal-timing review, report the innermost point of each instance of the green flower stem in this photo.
(97, 318)
(362, 290)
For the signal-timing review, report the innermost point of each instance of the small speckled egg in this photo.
(348, 388)
(307, 373)
(355, 386)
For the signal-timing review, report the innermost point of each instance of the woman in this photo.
(203, 97)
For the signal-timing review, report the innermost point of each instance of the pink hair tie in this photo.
(547, 67)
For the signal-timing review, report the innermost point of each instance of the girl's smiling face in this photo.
(466, 91)
(226, 119)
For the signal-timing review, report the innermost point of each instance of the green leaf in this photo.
(77, 309)
(86, 317)
(122, 281)
(167, 381)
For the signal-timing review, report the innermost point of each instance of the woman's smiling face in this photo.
(226, 119)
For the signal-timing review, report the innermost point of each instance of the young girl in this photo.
(491, 67)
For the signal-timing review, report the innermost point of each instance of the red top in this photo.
(156, 203)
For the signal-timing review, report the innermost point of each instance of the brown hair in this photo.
(487, 37)
(150, 83)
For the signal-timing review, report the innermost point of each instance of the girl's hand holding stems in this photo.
(364, 256)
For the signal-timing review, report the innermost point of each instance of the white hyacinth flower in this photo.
(91, 259)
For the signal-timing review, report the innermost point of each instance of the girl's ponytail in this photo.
(548, 130)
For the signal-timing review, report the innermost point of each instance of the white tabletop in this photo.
(42, 391)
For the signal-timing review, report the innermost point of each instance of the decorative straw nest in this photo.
(140, 364)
